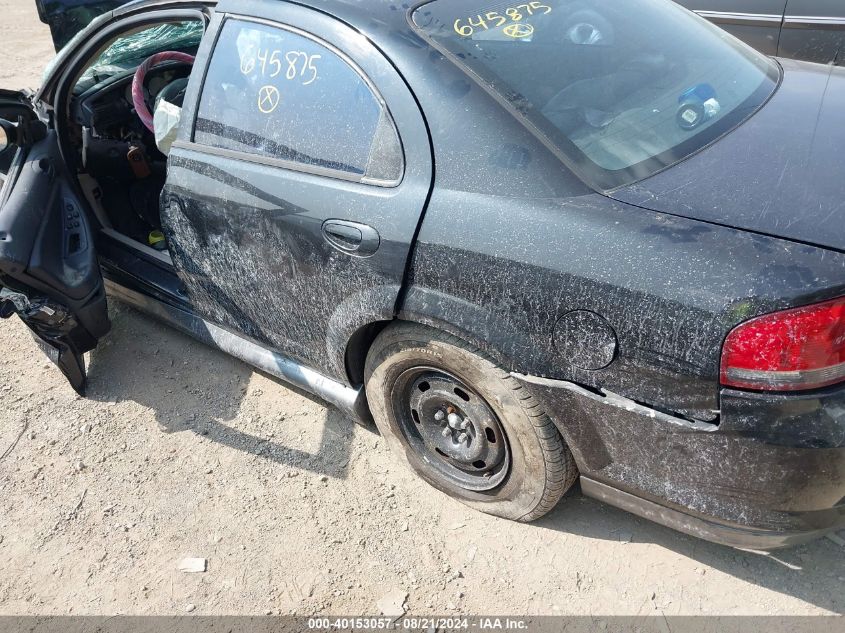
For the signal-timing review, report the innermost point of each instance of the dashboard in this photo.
(107, 108)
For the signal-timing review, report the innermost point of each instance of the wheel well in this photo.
(359, 344)
(362, 339)
(357, 349)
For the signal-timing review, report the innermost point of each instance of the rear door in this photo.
(814, 30)
(291, 206)
(49, 275)
(755, 22)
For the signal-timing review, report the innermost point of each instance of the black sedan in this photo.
(811, 30)
(537, 242)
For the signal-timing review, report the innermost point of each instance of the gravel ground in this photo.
(181, 451)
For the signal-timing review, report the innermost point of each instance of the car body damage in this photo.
(693, 282)
(408, 217)
(241, 262)
(771, 470)
(248, 237)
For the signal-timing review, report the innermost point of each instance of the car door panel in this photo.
(814, 30)
(52, 247)
(48, 267)
(247, 232)
(755, 22)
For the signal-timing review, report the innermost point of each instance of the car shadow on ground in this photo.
(193, 388)
(813, 572)
(190, 387)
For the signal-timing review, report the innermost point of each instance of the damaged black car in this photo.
(537, 243)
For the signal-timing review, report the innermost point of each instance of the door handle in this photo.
(351, 238)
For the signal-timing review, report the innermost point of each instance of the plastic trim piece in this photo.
(746, 19)
(813, 22)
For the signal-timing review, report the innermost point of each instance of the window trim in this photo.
(269, 161)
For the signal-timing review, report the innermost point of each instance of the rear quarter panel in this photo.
(511, 242)
(503, 272)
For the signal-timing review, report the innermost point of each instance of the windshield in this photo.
(620, 90)
(128, 51)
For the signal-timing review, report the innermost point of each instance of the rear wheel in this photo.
(464, 424)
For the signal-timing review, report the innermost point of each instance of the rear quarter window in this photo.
(277, 93)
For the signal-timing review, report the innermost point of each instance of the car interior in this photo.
(123, 114)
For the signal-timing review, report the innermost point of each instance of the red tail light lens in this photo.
(802, 348)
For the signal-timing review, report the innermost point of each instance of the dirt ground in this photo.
(179, 451)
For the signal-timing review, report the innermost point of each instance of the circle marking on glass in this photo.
(268, 99)
(518, 30)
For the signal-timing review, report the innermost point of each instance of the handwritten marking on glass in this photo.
(518, 30)
(271, 63)
(268, 99)
(494, 19)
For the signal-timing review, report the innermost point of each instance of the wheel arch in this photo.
(358, 347)
(474, 325)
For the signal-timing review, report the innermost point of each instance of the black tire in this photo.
(540, 468)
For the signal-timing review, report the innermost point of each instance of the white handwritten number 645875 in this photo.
(297, 64)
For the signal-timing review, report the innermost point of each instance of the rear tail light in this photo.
(802, 348)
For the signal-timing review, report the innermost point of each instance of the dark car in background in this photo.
(810, 30)
(536, 242)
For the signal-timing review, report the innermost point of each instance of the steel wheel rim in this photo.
(451, 428)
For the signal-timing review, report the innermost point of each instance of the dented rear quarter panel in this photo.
(511, 241)
(670, 288)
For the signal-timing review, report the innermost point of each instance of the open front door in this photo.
(49, 275)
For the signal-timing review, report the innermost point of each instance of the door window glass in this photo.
(281, 95)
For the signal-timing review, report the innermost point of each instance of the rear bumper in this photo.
(771, 474)
(738, 536)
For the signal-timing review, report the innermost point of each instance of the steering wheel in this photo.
(138, 99)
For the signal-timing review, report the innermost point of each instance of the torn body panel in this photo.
(49, 273)
(770, 474)
(512, 242)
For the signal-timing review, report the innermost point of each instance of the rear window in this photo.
(620, 89)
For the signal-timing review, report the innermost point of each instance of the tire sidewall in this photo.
(524, 485)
